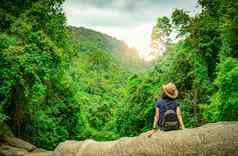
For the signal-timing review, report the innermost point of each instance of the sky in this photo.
(128, 20)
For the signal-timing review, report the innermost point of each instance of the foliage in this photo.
(223, 105)
(35, 50)
(60, 83)
(89, 39)
(160, 36)
(100, 90)
(193, 63)
(200, 58)
(227, 81)
(136, 113)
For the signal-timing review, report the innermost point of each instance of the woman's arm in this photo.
(156, 119)
(180, 118)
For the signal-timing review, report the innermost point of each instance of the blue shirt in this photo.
(161, 104)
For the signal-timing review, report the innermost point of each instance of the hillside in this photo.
(90, 40)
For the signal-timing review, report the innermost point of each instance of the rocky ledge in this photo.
(12, 146)
(216, 139)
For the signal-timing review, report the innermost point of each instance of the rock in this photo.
(39, 150)
(48, 153)
(218, 139)
(5, 130)
(6, 150)
(12, 146)
(72, 147)
(19, 143)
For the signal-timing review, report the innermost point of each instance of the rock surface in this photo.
(19, 143)
(218, 139)
(20, 150)
(12, 146)
(5, 130)
(6, 150)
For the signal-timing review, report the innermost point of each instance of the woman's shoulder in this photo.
(159, 102)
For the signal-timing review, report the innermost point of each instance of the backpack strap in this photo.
(166, 106)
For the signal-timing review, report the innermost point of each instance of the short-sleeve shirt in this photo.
(161, 104)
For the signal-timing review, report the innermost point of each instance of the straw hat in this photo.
(170, 90)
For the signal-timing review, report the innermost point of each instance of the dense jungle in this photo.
(61, 82)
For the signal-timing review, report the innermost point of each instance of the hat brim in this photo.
(172, 96)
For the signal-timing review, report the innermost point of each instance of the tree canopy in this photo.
(60, 82)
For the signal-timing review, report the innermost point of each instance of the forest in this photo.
(59, 82)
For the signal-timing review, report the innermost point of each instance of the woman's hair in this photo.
(164, 96)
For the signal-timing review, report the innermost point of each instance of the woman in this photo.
(167, 114)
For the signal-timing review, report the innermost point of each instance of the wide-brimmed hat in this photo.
(170, 90)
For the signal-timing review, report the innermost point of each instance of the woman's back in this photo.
(164, 105)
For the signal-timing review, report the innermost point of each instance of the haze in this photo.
(128, 20)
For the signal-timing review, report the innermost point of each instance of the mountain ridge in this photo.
(90, 40)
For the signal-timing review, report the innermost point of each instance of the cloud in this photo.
(121, 13)
(100, 17)
(131, 5)
(128, 20)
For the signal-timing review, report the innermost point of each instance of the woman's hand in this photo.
(151, 133)
(156, 119)
(182, 127)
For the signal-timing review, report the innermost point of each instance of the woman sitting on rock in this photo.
(167, 114)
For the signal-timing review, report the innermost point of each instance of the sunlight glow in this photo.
(138, 37)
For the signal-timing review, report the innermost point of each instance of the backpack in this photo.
(170, 121)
